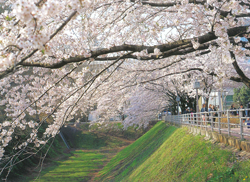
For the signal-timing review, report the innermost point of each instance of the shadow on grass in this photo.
(90, 141)
(88, 157)
(84, 140)
(135, 154)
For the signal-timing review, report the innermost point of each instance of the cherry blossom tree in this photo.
(62, 57)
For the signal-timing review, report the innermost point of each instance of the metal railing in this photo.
(230, 122)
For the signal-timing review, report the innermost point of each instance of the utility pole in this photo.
(197, 86)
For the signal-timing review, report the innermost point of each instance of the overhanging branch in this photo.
(181, 47)
(241, 74)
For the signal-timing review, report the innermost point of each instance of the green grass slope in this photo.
(167, 153)
(130, 158)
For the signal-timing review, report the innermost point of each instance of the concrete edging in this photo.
(222, 138)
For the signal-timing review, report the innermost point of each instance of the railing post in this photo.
(241, 129)
(196, 120)
(228, 123)
(219, 117)
(179, 120)
(212, 120)
(201, 121)
(206, 120)
(192, 120)
(182, 117)
(176, 120)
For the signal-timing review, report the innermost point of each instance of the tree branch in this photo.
(181, 47)
(169, 74)
(241, 74)
(11, 69)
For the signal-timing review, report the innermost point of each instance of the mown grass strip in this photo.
(96, 150)
(76, 168)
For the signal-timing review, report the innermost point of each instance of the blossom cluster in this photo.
(166, 44)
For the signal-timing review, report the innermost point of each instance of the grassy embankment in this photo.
(164, 153)
(92, 151)
(167, 153)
